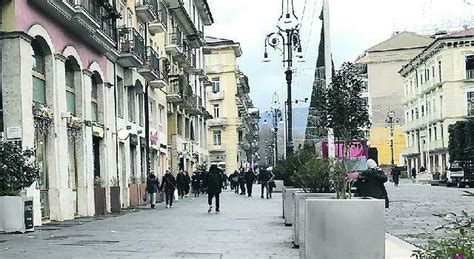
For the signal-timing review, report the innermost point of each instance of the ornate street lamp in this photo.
(287, 40)
(390, 122)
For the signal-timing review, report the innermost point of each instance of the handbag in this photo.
(272, 184)
(176, 196)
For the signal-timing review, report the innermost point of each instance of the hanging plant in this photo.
(74, 127)
(43, 118)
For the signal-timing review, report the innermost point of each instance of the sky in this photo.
(355, 27)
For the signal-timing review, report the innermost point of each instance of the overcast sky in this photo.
(355, 27)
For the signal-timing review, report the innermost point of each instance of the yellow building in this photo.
(232, 131)
(385, 89)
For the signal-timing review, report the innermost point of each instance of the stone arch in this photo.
(95, 68)
(39, 32)
(70, 51)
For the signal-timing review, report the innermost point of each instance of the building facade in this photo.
(439, 91)
(89, 83)
(384, 89)
(233, 130)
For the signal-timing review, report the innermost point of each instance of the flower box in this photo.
(16, 214)
(299, 212)
(338, 228)
(99, 200)
(133, 191)
(289, 204)
(115, 204)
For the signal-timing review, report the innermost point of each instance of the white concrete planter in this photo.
(16, 214)
(279, 186)
(289, 204)
(299, 211)
(352, 228)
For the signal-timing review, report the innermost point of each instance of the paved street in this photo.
(412, 206)
(246, 228)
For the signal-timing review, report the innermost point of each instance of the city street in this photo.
(245, 228)
(412, 206)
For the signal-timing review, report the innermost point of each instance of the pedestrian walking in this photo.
(413, 173)
(249, 179)
(195, 184)
(234, 178)
(187, 182)
(264, 178)
(271, 184)
(152, 185)
(168, 185)
(204, 182)
(180, 182)
(395, 176)
(370, 183)
(214, 186)
(224, 180)
(242, 181)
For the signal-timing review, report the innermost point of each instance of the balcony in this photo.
(196, 40)
(217, 148)
(93, 20)
(177, 48)
(146, 10)
(159, 25)
(211, 96)
(151, 69)
(131, 48)
(162, 80)
(195, 104)
(175, 90)
(218, 122)
(181, 16)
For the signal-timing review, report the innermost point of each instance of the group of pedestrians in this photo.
(242, 182)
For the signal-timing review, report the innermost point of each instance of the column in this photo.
(84, 153)
(17, 94)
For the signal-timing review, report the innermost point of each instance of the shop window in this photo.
(38, 72)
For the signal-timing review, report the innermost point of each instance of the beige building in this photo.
(385, 89)
(439, 91)
(232, 130)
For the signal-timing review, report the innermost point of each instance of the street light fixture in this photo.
(287, 40)
(390, 122)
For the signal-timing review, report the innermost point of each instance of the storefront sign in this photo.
(97, 131)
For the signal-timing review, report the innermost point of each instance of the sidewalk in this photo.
(396, 248)
(246, 228)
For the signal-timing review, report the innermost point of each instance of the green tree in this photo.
(18, 169)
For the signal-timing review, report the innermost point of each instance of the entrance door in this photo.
(40, 143)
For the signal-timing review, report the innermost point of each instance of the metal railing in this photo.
(131, 42)
(163, 15)
(153, 60)
(470, 74)
(153, 4)
(164, 69)
(175, 86)
(176, 37)
(100, 12)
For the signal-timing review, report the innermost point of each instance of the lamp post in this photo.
(390, 122)
(286, 39)
(276, 116)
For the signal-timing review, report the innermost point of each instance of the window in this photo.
(133, 160)
(152, 112)
(435, 132)
(120, 97)
(94, 97)
(470, 67)
(217, 137)
(421, 79)
(141, 107)
(131, 104)
(412, 115)
(417, 115)
(161, 114)
(216, 110)
(216, 86)
(179, 124)
(38, 71)
(123, 162)
(439, 70)
(433, 72)
(470, 103)
(427, 74)
(70, 88)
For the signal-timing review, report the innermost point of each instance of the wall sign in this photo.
(13, 133)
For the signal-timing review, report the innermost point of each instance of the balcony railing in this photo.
(176, 38)
(131, 42)
(101, 13)
(153, 60)
(163, 15)
(147, 10)
(470, 74)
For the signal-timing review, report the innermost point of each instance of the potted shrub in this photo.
(342, 227)
(99, 197)
(314, 178)
(18, 170)
(115, 204)
(133, 191)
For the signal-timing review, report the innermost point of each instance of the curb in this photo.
(395, 248)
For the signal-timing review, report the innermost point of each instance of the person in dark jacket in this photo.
(152, 185)
(395, 176)
(249, 179)
(224, 180)
(195, 184)
(264, 177)
(413, 173)
(370, 183)
(234, 181)
(187, 182)
(214, 186)
(168, 185)
(242, 181)
(204, 182)
(181, 183)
